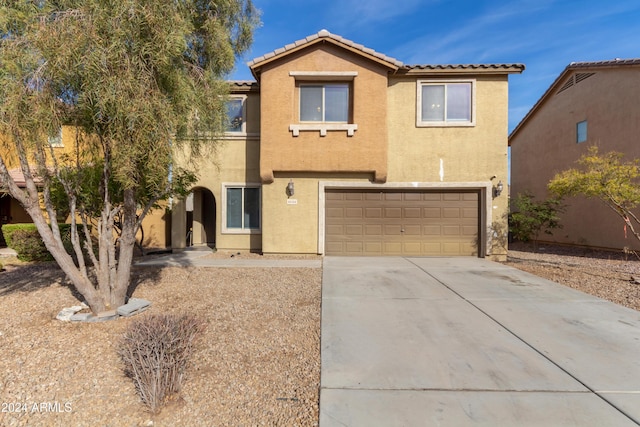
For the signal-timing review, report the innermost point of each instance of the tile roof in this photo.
(608, 63)
(17, 176)
(391, 62)
(324, 34)
(463, 67)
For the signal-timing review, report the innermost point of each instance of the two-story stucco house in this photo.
(589, 103)
(337, 149)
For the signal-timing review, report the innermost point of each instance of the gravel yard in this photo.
(605, 274)
(258, 362)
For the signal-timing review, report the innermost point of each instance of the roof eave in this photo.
(501, 69)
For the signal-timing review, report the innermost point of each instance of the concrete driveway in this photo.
(468, 342)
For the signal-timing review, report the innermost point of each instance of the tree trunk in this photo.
(65, 261)
(127, 246)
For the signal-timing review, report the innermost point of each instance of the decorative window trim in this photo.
(322, 78)
(323, 128)
(436, 82)
(227, 230)
(243, 130)
(324, 75)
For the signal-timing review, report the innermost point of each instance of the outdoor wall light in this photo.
(290, 188)
(497, 190)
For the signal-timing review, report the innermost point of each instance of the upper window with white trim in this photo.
(56, 141)
(236, 112)
(446, 103)
(323, 103)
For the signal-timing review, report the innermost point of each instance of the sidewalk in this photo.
(201, 258)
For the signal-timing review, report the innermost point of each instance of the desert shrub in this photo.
(26, 241)
(156, 351)
(530, 217)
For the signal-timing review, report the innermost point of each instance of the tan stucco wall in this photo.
(235, 159)
(546, 145)
(365, 151)
(289, 227)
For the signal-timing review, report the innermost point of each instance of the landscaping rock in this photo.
(67, 313)
(133, 306)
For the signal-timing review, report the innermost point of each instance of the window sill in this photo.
(241, 231)
(445, 124)
(323, 128)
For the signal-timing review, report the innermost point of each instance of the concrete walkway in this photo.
(467, 342)
(200, 258)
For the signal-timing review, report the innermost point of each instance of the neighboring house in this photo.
(590, 103)
(156, 225)
(340, 150)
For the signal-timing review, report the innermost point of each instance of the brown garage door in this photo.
(401, 222)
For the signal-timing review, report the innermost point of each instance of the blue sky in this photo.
(545, 35)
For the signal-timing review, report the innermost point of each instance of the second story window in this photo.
(236, 115)
(56, 141)
(324, 102)
(448, 103)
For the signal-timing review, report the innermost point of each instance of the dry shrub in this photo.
(156, 351)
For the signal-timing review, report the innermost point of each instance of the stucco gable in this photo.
(323, 36)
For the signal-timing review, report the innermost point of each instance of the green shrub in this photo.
(26, 241)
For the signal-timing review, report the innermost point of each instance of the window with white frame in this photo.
(241, 208)
(56, 141)
(581, 131)
(324, 103)
(446, 103)
(236, 112)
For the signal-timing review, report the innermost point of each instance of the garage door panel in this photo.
(373, 212)
(431, 230)
(392, 229)
(392, 248)
(431, 213)
(407, 222)
(451, 230)
(412, 230)
(354, 230)
(354, 212)
(470, 230)
(334, 230)
(392, 212)
(412, 212)
(353, 247)
(451, 213)
(397, 197)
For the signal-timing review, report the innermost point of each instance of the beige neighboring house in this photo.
(156, 225)
(337, 149)
(590, 103)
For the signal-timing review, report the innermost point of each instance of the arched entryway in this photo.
(201, 218)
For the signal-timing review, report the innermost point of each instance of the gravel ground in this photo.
(258, 362)
(605, 274)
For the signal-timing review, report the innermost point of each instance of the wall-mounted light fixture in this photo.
(497, 190)
(290, 188)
